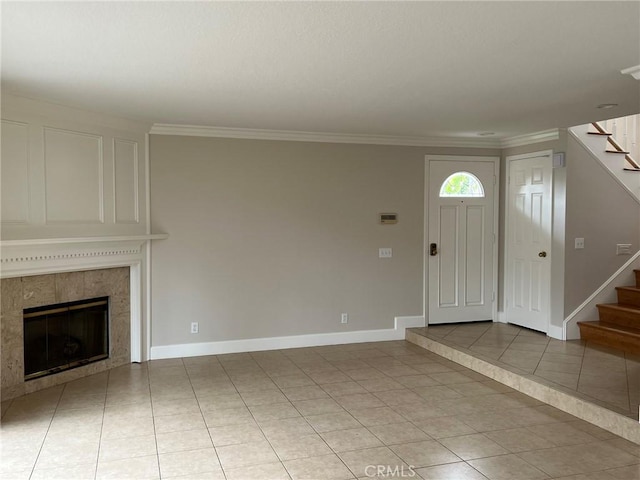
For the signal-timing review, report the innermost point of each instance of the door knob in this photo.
(433, 249)
(542, 254)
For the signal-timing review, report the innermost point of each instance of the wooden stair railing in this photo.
(634, 166)
(619, 324)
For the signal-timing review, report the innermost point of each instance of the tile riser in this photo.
(628, 296)
(625, 318)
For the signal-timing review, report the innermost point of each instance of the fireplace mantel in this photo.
(20, 258)
(24, 258)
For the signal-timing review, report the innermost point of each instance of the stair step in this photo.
(604, 134)
(622, 315)
(637, 272)
(617, 151)
(615, 336)
(629, 296)
(631, 169)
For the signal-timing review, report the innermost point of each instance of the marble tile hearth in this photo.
(40, 290)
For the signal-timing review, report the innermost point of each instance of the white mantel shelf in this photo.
(80, 240)
(52, 255)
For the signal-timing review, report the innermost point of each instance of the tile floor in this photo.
(336, 412)
(611, 378)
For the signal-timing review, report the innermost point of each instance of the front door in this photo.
(529, 240)
(460, 240)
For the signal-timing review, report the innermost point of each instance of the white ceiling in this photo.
(418, 69)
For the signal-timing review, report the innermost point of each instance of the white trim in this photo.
(135, 311)
(146, 325)
(556, 332)
(597, 297)
(297, 341)
(531, 138)
(496, 224)
(80, 240)
(633, 71)
(298, 136)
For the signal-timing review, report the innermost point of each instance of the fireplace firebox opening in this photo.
(64, 336)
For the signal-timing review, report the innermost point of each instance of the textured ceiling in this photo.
(378, 68)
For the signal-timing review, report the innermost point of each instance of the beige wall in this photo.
(271, 238)
(602, 213)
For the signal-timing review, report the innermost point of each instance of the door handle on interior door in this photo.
(433, 249)
(542, 254)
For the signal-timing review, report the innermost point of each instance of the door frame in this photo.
(496, 222)
(507, 231)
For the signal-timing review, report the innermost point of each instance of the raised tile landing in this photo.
(602, 383)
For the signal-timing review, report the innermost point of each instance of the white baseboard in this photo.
(502, 317)
(556, 332)
(294, 341)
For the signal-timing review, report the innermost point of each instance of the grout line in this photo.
(47, 433)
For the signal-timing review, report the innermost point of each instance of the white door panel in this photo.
(461, 274)
(529, 241)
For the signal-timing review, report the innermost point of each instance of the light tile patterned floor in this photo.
(610, 377)
(336, 412)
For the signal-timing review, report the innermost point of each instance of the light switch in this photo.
(579, 243)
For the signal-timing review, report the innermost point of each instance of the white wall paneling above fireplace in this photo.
(68, 173)
(74, 177)
(15, 173)
(125, 181)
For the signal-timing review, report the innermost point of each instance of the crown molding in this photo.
(531, 138)
(296, 136)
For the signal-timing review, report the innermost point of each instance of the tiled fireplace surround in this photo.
(38, 290)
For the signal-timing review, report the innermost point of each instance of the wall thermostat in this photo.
(388, 218)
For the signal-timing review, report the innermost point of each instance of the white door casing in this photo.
(528, 240)
(461, 279)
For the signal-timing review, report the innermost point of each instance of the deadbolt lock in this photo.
(542, 254)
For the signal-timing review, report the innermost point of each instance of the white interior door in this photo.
(529, 240)
(461, 225)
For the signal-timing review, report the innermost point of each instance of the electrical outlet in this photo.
(579, 243)
(195, 328)
(344, 318)
(385, 252)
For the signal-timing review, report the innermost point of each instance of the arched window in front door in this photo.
(462, 184)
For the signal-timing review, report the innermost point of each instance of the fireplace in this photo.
(35, 294)
(65, 336)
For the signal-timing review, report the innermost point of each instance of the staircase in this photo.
(619, 324)
(619, 152)
(613, 146)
